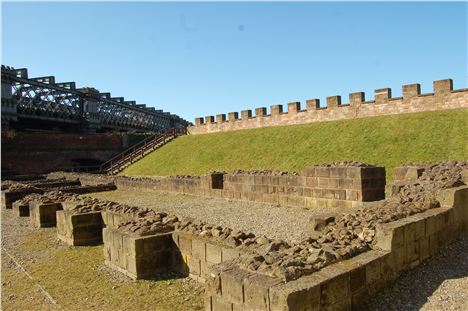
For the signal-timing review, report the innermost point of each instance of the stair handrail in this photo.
(147, 141)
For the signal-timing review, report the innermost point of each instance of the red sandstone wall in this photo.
(444, 97)
(26, 153)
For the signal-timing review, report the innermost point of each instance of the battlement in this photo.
(443, 97)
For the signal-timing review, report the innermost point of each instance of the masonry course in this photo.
(443, 97)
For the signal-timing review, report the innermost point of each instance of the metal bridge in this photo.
(42, 99)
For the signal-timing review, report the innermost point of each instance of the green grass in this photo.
(387, 141)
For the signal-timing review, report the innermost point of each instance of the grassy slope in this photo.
(387, 141)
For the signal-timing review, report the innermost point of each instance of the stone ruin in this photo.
(347, 257)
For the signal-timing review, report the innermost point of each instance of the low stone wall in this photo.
(399, 246)
(343, 184)
(139, 257)
(79, 229)
(143, 257)
(10, 196)
(198, 255)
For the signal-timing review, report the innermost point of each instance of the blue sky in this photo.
(198, 59)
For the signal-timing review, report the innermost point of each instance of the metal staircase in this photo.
(139, 151)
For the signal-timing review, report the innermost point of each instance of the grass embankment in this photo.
(387, 141)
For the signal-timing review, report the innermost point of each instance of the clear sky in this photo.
(198, 59)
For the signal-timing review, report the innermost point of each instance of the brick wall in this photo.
(27, 153)
(444, 97)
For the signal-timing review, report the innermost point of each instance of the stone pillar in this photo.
(411, 90)
(382, 95)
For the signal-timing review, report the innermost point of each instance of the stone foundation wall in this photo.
(331, 186)
(444, 97)
(43, 215)
(79, 229)
(399, 246)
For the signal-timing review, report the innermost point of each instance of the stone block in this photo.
(256, 288)
(213, 253)
(20, 209)
(137, 256)
(232, 284)
(220, 304)
(43, 214)
(229, 253)
(301, 294)
(79, 229)
(199, 249)
(390, 235)
(185, 244)
(336, 286)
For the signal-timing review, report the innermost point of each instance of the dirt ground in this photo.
(41, 273)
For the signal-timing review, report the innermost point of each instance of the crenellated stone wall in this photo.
(443, 97)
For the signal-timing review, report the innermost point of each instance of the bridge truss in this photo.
(41, 98)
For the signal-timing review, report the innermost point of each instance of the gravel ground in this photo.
(287, 223)
(440, 283)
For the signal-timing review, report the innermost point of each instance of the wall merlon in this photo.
(220, 118)
(411, 101)
(382, 95)
(411, 90)
(443, 86)
(313, 104)
(199, 121)
(233, 116)
(260, 112)
(333, 101)
(356, 98)
(209, 119)
(246, 114)
(294, 107)
(276, 110)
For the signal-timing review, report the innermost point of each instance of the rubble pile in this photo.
(353, 233)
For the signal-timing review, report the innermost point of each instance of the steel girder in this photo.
(43, 98)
